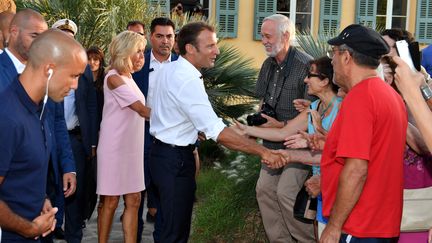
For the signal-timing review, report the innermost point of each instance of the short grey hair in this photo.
(361, 59)
(284, 25)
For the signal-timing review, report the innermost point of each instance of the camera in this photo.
(256, 119)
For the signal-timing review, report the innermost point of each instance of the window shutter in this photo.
(263, 8)
(330, 17)
(227, 17)
(366, 12)
(163, 5)
(424, 21)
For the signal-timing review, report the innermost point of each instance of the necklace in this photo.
(328, 106)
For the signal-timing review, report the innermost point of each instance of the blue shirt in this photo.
(326, 123)
(24, 149)
(427, 59)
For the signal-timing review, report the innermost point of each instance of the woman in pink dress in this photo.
(120, 170)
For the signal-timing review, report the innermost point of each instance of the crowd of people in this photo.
(350, 128)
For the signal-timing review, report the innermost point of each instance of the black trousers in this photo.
(173, 174)
(74, 204)
(353, 239)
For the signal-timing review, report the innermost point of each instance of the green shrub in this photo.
(227, 210)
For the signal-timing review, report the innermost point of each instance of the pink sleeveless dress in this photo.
(120, 167)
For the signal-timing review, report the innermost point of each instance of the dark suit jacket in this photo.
(61, 153)
(7, 71)
(86, 109)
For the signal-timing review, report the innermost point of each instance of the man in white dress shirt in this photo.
(162, 41)
(180, 109)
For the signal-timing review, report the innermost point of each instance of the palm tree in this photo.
(314, 46)
(231, 83)
(98, 20)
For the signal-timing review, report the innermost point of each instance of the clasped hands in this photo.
(45, 223)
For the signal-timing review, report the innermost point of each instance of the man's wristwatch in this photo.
(426, 91)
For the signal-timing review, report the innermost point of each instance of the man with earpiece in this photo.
(26, 138)
(25, 26)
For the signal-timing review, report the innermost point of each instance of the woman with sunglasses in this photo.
(321, 113)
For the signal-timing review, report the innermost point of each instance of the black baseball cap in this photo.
(363, 40)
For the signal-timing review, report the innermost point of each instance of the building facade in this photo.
(240, 20)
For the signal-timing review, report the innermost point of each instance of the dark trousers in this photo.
(173, 174)
(51, 191)
(74, 204)
(354, 239)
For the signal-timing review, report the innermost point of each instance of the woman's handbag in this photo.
(305, 207)
(417, 210)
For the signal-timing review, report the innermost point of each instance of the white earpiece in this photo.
(45, 98)
(50, 73)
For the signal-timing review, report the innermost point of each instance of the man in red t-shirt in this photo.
(361, 166)
(362, 161)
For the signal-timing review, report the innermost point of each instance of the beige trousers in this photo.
(276, 192)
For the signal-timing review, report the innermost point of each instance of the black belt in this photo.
(75, 131)
(190, 147)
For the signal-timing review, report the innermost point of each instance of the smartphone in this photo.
(404, 53)
(410, 53)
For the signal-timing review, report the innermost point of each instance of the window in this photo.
(299, 11)
(227, 17)
(191, 6)
(385, 14)
(329, 17)
(392, 14)
(424, 21)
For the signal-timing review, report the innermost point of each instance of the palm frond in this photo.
(231, 83)
(314, 46)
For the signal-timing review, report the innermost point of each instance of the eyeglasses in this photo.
(316, 75)
(331, 52)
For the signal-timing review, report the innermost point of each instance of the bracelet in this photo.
(426, 92)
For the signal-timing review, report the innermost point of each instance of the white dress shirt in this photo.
(155, 65)
(181, 106)
(1, 51)
(19, 66)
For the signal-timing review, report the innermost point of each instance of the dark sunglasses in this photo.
(320, 76)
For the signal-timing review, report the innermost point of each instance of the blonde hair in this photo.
(122, 47)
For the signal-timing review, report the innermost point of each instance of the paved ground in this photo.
(116, 236)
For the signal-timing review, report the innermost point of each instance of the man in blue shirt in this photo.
(427, 59)
(25, 211)
(25, 26)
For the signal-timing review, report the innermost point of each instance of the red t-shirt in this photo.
(371, 125)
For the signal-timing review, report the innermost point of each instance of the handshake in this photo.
(275, 159)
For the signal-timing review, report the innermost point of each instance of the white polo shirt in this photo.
(180, 106)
